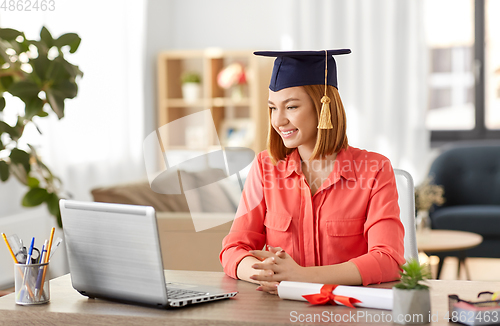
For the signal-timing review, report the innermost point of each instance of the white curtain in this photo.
(383, 81)
(99, 141)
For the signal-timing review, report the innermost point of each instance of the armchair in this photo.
(470, 175)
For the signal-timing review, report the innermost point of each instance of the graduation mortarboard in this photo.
(300, 68)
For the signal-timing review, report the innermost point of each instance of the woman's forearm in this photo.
(345, 273)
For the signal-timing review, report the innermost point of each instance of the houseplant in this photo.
(411, 298)
(191, 86)
(36, 72)
(426, 195)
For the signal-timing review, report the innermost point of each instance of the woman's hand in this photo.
(277, 266)
(265, 286)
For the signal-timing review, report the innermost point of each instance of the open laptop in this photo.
(114, 253)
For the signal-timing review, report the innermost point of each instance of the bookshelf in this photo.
(245, 115)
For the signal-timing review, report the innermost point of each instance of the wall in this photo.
(195, 24)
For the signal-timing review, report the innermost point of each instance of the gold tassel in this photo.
(325, 116)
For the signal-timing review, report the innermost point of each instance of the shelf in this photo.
(207, 102)
(224, 108)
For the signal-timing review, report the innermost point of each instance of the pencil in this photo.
(15, 261)
(10, 249)
(50, 244)
(46, 260)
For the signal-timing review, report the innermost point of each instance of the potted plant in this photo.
(191, 86)
(411, 298)
(36, 72)
(426, 195)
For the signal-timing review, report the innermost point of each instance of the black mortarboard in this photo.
(299, 68)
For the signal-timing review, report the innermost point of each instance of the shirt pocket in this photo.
(344, 240)
(278, 230)
(345, 227)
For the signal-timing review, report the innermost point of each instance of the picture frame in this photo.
(237, 132)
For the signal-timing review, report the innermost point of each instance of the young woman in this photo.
(314, 209)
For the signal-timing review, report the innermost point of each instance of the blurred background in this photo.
(421, 75)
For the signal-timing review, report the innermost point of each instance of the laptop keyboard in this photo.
(174, 293)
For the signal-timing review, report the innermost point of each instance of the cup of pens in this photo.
(31, 269)
(32, 283)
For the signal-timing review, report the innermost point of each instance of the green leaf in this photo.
(33, 107)
(73, 70)
(71, 39)
(21, 157)
(42, 114)
(24, 45)
(57, 72)
(46, 37)
(24, 89)
(33, 182)
(4, 171)
(4, 127)
(6, 81)
(53, 204)
(9, 34)
(65, 89)
(34, 197)
(56, 102)
(40, 66)
(2, 103)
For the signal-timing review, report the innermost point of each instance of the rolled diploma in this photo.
(369, 297)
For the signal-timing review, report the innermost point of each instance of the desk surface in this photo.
(447, 240)
(249, 307)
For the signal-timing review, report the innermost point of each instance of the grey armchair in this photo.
(470, 175)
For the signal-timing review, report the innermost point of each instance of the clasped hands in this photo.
(276, 266)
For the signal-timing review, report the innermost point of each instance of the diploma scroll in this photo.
(369, 297)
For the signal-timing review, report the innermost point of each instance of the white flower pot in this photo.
(411, 306)
(191, 92)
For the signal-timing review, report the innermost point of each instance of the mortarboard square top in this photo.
(299, 68)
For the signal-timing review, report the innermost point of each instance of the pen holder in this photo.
(32, 283)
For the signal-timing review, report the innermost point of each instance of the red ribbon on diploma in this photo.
(327, 296)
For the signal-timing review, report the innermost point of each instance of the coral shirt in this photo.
(353, 216)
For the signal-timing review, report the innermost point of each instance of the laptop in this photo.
(114, 253)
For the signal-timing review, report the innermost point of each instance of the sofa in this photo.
(183, 248)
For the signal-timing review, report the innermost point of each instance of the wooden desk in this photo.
(434, 241)
(249, 307)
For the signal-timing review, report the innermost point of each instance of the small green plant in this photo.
(412, 275)
(190, 77)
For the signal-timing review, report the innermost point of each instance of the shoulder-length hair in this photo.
(328, 141)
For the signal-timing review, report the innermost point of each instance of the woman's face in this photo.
(294, 117)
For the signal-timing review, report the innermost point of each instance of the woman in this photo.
(327, 212)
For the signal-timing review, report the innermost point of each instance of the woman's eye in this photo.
(272, 108)
(291, 107)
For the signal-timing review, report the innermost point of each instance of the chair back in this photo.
(406, 201)
(470, 175)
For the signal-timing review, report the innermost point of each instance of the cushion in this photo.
(481, 219)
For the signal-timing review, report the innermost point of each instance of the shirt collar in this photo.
(344, 165)
(293, 163)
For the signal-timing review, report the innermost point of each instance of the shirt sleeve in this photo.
(247, 232)
(383, 230)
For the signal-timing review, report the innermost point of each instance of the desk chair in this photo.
(406, 201)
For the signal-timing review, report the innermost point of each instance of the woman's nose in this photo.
(280, 118)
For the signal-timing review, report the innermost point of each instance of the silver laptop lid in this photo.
(114, 251)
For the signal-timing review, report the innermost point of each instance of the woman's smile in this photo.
(288, 133)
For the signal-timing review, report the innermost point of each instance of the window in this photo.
(463, 39)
